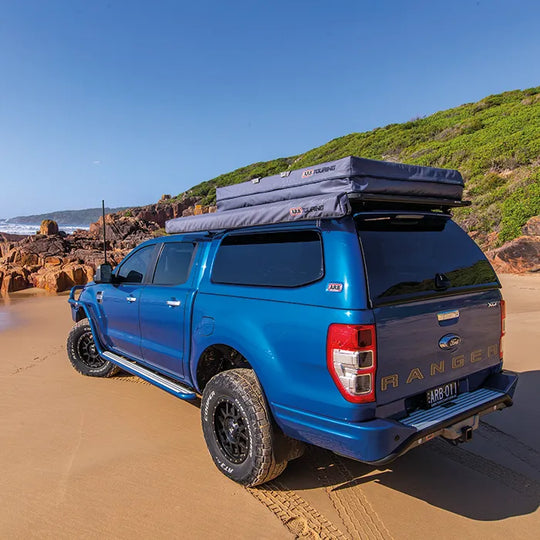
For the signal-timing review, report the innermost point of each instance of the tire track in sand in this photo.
(125, 377)
(348, 499)
(510, 444)
(335, 478)
(512, 479)
(295, 513)
(300, 518)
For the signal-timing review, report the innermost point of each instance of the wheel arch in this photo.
(216, 358)
(245, 337)
(80, 314)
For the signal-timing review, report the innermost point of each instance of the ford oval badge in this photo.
(450, 341)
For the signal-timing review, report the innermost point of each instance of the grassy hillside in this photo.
(495, 144)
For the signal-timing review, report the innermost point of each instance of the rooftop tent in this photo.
(323, 191)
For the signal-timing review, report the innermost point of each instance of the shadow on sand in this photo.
(452, 478)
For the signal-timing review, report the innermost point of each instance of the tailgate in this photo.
(435, 299)
(411, 337)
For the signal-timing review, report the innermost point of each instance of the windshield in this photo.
(412, 256)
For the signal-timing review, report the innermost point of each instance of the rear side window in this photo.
(174, 263)
(287, 259)
(410, 257)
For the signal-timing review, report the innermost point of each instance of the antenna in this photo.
(104, 236)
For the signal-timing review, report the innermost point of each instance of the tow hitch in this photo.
(462, 431)
(466, 434)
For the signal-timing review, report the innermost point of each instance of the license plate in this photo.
(441, 394)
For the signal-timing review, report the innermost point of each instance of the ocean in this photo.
(17, 228)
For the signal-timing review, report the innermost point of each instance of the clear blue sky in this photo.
(126, 100)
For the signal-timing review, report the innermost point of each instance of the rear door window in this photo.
(284, 259)
(409, 257)
(174, 263)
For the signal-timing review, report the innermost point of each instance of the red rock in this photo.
(15, 279)
(8, 237)
(53, 261)
(56, 262)
(58, 279)
(48, 227)
(20, 257)
(532, 227)
(44, 246)
(517, 256)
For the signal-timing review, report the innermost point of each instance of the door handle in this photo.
(131, 299)
(173, 303)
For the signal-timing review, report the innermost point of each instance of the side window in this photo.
(288, 259)
(133, 269)
(174, 264)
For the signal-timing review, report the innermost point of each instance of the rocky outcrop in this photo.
(517, 256)
(8, 237)
(520, 255)
(54, 261)
(124, 232)
(48, 226)
(13, 279)
(532, 227)
(62, 277)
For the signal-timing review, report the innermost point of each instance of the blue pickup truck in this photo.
(337, 305)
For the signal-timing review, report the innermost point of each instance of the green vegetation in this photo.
(495, 144)
(159, 232)
(523, 203)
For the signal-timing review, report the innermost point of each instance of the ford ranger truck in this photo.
(367, 330)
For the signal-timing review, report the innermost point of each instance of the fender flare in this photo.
(99, 347)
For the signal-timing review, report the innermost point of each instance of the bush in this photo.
(523, 204)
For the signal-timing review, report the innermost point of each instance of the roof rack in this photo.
(384, 200)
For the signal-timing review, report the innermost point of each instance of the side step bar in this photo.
(174, 388)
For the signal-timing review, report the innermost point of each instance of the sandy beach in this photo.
(118, 458)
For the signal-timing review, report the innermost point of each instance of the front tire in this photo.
(83, 355)
(239, 430)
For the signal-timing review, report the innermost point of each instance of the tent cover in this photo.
(322, 191)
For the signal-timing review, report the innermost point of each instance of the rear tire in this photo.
(83, 355)
(239, 431)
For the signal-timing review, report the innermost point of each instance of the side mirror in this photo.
(103, 274)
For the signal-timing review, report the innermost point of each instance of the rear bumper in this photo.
(380, 441)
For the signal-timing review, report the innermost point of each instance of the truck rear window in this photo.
(409, 257)
(288, 259)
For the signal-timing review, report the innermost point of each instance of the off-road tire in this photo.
(235, 398)
(83, 355)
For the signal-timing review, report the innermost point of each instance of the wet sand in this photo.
(118, 458)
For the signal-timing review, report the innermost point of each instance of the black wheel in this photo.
(239, 431)
(83, 355)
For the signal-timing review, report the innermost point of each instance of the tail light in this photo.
(352, 360)
(503, 328)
